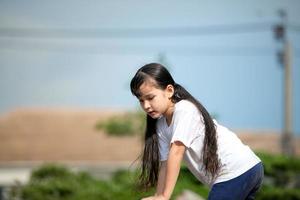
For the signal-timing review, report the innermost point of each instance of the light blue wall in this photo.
(234, 74)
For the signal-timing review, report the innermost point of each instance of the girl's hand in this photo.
(159, 197)
(148, 198)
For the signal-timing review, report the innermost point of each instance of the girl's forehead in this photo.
(147, 87)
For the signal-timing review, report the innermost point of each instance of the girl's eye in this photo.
(152, 97)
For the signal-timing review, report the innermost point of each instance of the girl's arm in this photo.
(161, 178)
(167, 177)
(173, 167)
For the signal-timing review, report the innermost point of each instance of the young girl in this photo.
(180, 128)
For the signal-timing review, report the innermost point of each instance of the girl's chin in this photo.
(154, 115)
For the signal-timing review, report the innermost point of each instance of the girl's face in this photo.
(154, 101)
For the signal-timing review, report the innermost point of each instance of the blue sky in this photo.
(51, 55)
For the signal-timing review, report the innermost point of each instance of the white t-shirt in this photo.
(187, 126)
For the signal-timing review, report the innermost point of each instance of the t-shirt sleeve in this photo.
(187, 126)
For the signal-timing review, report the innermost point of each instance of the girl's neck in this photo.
(169, 113)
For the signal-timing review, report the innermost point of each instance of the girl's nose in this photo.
(146, 105)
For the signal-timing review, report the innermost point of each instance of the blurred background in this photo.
(65, 69)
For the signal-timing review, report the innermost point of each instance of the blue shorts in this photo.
(242, 187)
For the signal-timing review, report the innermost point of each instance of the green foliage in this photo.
(51, 182)
(283, 171)
(50, 171)
(277, 193)
(118, 126)
(55, 182)
(282, 177)
(126, 124)
(275, 163)
(130, 123)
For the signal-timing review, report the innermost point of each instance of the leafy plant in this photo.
(126, 124)
(283, 171)
(56, 182)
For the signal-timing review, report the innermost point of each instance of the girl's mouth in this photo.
(151, 113)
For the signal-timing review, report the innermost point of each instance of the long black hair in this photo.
(150, 157)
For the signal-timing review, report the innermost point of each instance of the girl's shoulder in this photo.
(188, 110)
(185, 105)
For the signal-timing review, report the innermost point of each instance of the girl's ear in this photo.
(170, 90)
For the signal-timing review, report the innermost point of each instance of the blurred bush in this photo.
(54, 182)
(280, 170)
(282, 177)
(130, 123)
(277, 193)
(49, 182)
